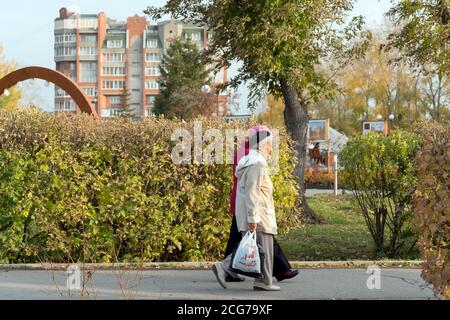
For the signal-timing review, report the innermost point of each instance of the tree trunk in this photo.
(296, 119)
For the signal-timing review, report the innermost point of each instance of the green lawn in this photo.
(343, 235)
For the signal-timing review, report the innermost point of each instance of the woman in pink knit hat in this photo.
(257, 146)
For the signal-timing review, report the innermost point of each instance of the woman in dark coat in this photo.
(282, 269)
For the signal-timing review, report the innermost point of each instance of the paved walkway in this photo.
(201, 284)
(313, 192)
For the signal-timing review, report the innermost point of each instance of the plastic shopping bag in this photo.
(248, 257)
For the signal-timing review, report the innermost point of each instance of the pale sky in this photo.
(26, 32)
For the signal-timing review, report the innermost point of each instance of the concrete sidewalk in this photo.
(201, 284)
(313, 192)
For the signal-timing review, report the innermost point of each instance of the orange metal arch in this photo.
(54, 77)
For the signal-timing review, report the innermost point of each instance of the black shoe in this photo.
(229, 278)
(287, 275)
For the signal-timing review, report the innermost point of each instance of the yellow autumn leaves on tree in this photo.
(12, 100)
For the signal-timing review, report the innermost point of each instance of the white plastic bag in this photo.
(247, 258)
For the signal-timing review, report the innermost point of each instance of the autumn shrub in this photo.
(432, 204)
(75, 188)
(319, 178)
(379, 170)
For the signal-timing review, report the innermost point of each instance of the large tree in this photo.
(423, 33)
(423, 37)
(281, 45)
(11, 101)
(183, 74)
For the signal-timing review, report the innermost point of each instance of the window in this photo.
(114, 44)
(113, 71)
(90, 92)
(150, 100)
(88, 72)
(88, 23)
(196, 36)
(151, 85)
(153, 57)
(152, 43)
(88, 38)
(111, 112)
(65, 51)
(115, 99)
(116, 112)
(113, 85)
(88, 51)
(65, 38)
(68, 105)
(152, 71)
(113, 57)
(72, 66)
(60, 93)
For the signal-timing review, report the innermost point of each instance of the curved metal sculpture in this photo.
(54, 77)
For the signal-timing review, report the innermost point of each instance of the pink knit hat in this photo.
(259, 128)
(259, 135)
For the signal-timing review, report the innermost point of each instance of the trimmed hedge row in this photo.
(73, 188)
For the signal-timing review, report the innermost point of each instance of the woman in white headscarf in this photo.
(255, 210)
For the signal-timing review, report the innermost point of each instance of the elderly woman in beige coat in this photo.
(255, 209)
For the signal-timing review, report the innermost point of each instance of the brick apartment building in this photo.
(103, 56)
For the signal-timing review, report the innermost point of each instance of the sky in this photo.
(26, 33)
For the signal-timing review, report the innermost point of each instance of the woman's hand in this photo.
(252, 227)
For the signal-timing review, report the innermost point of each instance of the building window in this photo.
(111, 112)
(90, 92)
(115, 99)
(196, 36)
(113, 85)
(88, 51)
(60, 93)
(151, 85)
(67, 105)
(88, 23)
(65, 38)
(88, 38)
(114, 44)
(153, 57)
(150, 100)
(113, 57)
(149, 112)
(113, 71)
(152, 71)
(72, 66)
(65, 51)
(88, 72)
(152, 43)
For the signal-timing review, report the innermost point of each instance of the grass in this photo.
(343, 235)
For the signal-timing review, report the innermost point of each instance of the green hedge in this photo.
(73, 188)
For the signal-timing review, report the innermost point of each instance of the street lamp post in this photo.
(206, 88)
(95, 104)
(335, 170)
(391, 120)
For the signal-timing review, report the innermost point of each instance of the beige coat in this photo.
(254, 197)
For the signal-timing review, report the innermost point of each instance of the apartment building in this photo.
(104, 56)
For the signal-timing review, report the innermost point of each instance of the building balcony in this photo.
(68, 58)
